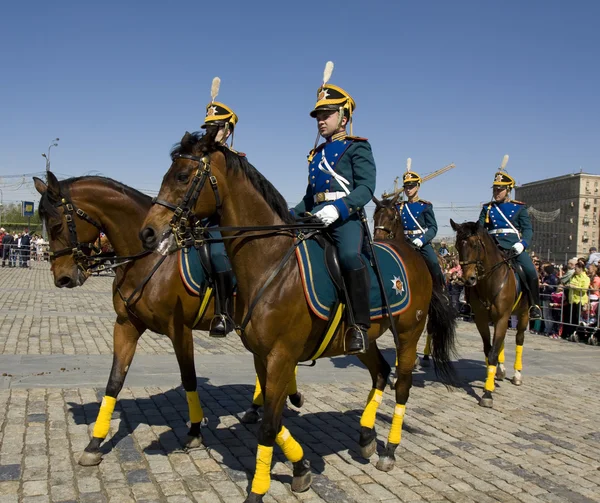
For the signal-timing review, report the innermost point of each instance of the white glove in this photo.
(518, 248)
(328, 214)
(417, 242)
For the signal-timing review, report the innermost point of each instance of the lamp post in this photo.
(1, 206)
(53, 143)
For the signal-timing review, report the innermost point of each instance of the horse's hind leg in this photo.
(125, 337)
(517, 380)
(379, 370)
(183, 344)
(406, 354)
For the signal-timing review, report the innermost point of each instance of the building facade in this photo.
(564, 215)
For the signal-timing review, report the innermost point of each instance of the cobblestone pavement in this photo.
(540, 443)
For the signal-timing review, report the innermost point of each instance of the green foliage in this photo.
(13, 221)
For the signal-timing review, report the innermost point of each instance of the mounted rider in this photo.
(341, 180)
(509, 224)
(419, 223)
(218, 114)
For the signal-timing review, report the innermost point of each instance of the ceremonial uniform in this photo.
(419, 222)
(341, 181)
(218, 114)
(510, 225)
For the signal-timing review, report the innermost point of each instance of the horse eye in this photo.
(183, 177)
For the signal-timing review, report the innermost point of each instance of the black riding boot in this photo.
(535, 313)
(222, 323)
(358, 284)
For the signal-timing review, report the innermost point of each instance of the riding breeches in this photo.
(348, 236)
(524, 260)
(218, 256)
(433, 265)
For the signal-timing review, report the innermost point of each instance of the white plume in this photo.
(328, 71)
(504, 162)
(408, 164)
(214, 89)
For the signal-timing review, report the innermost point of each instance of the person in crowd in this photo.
(25, 249)
(568, 273)
(2, 234)
(454, 286)
(592, 270)
(594, 257)
(578, 298)
(549, 284)
(443, 250)
(7, 242)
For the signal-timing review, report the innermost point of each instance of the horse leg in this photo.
(183, 344)
(379, 370)
(125, 337)
(501, 371)
(275, 379)
(405, 354)
(517, 380)
(500, 328)
(251, 416)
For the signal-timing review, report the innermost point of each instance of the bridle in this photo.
(183, 222)
(390, 232)
(478, 261)
(80, 251)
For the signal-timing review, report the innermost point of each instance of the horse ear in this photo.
(40, 186)
(186, 140)
(454, 225)
(53, 184)
(211, 134)
(377, 202)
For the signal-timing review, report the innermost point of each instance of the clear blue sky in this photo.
(438, 81)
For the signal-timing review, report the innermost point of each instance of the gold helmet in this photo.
(219, 114)
(502, 178)
(410, 177)
(330, 97)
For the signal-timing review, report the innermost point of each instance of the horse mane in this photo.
(197, 141)
(47, 206)
(469, 229)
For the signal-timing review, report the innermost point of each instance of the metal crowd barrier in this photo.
(13, 255)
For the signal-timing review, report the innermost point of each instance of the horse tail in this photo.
(441, 326)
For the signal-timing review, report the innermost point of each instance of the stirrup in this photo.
(219, 326)
(359, 343)
(535, 313)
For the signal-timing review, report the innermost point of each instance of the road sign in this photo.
(27, 208)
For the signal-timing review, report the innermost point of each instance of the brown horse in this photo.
(74, 211)
(280, 328)
(492, 291)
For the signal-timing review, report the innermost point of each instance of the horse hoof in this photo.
(368, 450)
(500, 375)
(425, 362)
(385, 463)
(90, 458)
(488, 403)
(302, 483)
(297, 399)
(517, 381)
(251, 416)
(194, 443)
(254, 498)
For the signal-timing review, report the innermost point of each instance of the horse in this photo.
(146, 293)
(493, 295)
(279, 327)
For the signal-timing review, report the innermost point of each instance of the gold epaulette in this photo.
(312, 153)
(423, 201)
(241, 154)
(356, 138)
(516, 202)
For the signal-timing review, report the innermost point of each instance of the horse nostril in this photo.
(63, 282)
(148, 237)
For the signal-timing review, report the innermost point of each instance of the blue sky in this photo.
(463, 82)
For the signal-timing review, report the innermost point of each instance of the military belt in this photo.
(503, 231)
(321, 197)
(416, 232)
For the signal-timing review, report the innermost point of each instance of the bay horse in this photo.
(279, 327)
(75, 211)
(493, 295)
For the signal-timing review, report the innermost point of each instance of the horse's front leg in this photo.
(125, 338)
(274, 379)
(500, 328)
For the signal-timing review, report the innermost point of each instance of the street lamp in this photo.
(1, 206)
(53, 143)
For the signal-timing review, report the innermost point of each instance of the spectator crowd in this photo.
(20, 248)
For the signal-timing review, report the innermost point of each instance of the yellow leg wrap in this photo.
(427, 350)
(368, 416)
(396, 364)
(289, 446)
(293, 386)
(258, 398)
(103, 420)
(396, 429)
(491, 375)
(519, 358)
(501, 355)
(194, 407)
(262, 475)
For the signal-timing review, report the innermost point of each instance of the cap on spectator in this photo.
(593, 249)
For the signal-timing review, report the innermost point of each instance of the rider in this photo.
(419, 223)
(508, 222)
(341, 180)
(218, 114)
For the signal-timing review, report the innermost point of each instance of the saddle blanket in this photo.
(321, 293)
(191, 271)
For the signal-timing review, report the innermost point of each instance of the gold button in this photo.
(327, 181)
(326, 190)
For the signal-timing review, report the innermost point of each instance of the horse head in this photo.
(470, 244)
(192, 189)
(65, 232)
(386, 219)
